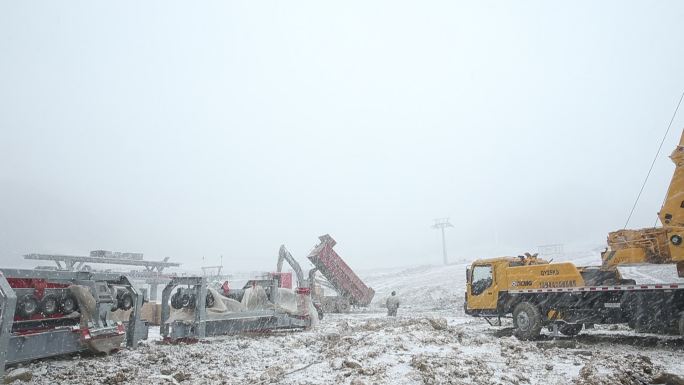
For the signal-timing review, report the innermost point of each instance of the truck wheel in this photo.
(49, 304)
(570, 329)
(68, 304)
(28, 306)
(681, 324)
(527, 319)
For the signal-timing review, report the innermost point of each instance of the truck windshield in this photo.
(482, 279)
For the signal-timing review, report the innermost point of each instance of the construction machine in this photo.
(260, 306)
(565, 297)
(338, 276)
(658, 245)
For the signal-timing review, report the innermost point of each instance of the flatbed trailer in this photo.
(656, 307)
(50, 313)
(189, 292)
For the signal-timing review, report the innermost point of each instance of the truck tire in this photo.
(681, 324)
(27, 306)
(68, 304)
(570, 329)
(527, 320)
(49, 304)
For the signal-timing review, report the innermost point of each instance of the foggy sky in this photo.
(199, 129)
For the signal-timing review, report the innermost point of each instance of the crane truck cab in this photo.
(490, 280)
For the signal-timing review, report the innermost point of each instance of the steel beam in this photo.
(8, 302)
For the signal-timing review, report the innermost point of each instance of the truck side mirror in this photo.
(467, 274)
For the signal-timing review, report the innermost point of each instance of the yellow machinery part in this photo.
(624, 256)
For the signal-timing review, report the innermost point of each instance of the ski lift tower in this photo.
(443, 223)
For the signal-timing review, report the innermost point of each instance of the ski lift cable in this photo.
(654, 160)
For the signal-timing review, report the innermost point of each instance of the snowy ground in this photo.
(431, 342)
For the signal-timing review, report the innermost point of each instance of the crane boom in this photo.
(672, 212)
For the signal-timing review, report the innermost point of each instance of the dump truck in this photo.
(339, 276)
(351, 289)
(537, 293)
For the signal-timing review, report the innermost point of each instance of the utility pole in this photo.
(443, 223)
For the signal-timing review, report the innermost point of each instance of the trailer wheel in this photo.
(188, 301)
(124, 300)
(68, 304)
(176, 301)
(210, 300)
(527, 319)
(49, 304)
(27, 306)
(570, 329)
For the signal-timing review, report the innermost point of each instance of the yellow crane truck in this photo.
(540, 294)
(537, 293)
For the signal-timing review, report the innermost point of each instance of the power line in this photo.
(654, 160)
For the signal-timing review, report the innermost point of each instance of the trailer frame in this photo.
(202, 326)
(16, 347)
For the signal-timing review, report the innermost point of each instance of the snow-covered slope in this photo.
(422, 287)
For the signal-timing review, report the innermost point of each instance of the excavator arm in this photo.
(284, 255)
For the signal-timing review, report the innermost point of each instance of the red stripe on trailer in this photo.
(600, 288)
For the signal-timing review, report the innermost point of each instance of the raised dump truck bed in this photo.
(339, 274)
